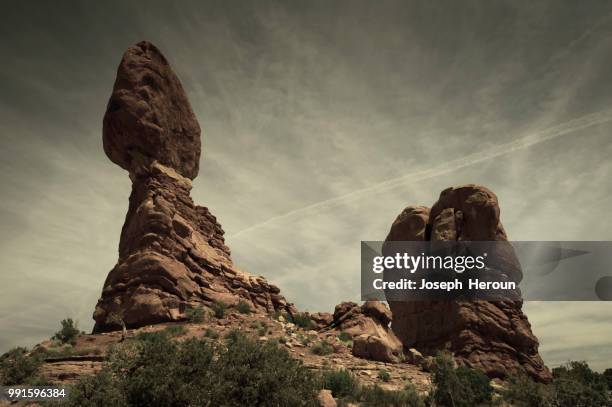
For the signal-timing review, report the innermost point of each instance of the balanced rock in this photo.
(494, 337)
(172, 253)
(148, 117)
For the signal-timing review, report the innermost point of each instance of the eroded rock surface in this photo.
(368, 325)
(496, 336)
(172, 253)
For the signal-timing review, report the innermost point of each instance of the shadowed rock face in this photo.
(496, 336)
(172, 253)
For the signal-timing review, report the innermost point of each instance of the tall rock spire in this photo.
(172, 254)
(493, 336)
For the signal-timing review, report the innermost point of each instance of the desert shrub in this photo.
(607, 374)
(243, 307)
(461, 387)
(251, 373)
(322, 348)
(521, 391)
(302, 320)
(18, 367)
(384, 375)
(175, 330)
(195, 315)
(342, 383)
(157, 371)
(475, 385)
(99, 390)
(375, 396)
(282, 340)
(149, 336)
(575, 384)
(218, 309)
(68, 333)
(211, 333)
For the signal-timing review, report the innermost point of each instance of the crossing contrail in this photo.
(522, 143)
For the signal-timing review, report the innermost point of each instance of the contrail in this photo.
(541, 136)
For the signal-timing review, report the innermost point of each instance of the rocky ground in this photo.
(88, 353)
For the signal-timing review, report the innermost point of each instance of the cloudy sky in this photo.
(321, 121)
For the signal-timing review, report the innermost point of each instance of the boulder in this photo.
(326, 399)
(368, 325)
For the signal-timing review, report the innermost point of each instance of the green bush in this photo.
(99, 390)
(210, 333)
(375, 396)
(218, 309)
(607, 374)
(17, 367)
(461, 387)
(322, 348)
(68, 333)
(342, 383)
(243, 307)
(156, 371)
(345, 337)
(575, 384)
(521, 391)
(303, 321)
(195, 315)
(384, 375)
(176, 330)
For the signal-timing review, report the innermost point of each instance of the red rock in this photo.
(496, 336)
(148, 117)
(369, 326)
(172, 253)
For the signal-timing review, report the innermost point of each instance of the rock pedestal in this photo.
(494, 337)
(172, 254)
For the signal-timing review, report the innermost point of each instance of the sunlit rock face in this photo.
(172, 253)
(494, 337)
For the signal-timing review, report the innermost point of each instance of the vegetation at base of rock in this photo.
(218, 309)
(346, 388)
(459, 387)
(18, 367)
(302, 320)
(345, 337)
(575, 384)
(322, 348)
(195, 315)
(68, 333)
(384, 375)
(243, 307)
(160, 372)
(524, 392)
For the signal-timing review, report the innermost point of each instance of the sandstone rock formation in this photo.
(172, 253)
(496, 336)
(368, 324)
